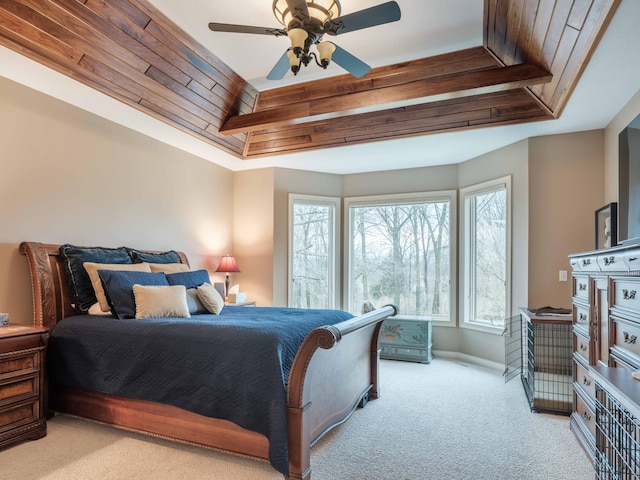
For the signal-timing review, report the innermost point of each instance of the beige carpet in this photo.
(443, 421)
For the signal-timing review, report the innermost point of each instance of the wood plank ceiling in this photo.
(533, 54)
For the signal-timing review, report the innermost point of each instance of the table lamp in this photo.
(227, 265)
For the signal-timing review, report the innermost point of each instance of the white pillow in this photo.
(169, 267)
(161, 301)
(92, 270)
(210, 298)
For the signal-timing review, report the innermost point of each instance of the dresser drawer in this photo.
(626, 337)
(612, 262)
(12, 365)
(581, 287)
(581, 347)
(585, 413)
(626, 296)
(583, 378)
(584, 264)
(19, 414)
(581, 316)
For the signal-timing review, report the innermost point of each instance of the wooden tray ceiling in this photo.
(533, 54)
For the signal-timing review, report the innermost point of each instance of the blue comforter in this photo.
(232, 366)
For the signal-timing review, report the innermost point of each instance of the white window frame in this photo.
(400, 199)
(334, 244)
(467, 230)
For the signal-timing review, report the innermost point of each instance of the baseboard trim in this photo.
(464, 358)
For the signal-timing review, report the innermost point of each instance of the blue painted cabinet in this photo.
(405, 339)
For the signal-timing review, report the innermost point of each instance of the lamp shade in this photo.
(228, 264)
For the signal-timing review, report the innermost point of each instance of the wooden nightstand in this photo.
(22, 415)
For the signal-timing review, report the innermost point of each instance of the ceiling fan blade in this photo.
(369, 17)
(226, 27)
(280, 69)
(351, 64)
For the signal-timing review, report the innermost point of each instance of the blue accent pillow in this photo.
(170, 256)
(191, 279)
(73, 259)
(118, 287)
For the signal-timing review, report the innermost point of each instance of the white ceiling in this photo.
(427, 27)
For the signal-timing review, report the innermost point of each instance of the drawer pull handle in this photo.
(633, 259)
(609, 260)
(628, 295)
(582, 317)
(582, 287)
(586, 382)
(583, 347)
(586, 261)
(630, 339)
(586, 416)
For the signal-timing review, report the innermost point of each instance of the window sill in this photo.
(483, 328)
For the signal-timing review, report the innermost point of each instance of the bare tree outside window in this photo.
(312, 256)
(486, 262)
(400, 254)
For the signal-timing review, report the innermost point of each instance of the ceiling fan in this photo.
(305, 22)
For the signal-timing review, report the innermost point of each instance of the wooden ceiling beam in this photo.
(431, 89)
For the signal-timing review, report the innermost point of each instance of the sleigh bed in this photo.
(334, 369)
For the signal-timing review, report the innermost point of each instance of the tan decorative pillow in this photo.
(210, 298)
(169, 267)
(92, 270)
(161, 301)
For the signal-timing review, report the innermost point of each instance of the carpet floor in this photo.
(442, 421)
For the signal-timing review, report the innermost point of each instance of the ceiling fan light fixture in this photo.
(325, 50)
(320, 11)
(297, 37)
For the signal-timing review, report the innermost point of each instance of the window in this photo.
(486, 254)
(400, 252)
(313, 251)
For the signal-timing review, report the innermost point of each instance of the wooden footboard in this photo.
(334, 369)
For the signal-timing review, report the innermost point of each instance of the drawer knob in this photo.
(586, 381)
(630, 339)
(609, 260)
(628, 295)
(586, 416)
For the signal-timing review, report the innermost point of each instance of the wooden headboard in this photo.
(52, 298)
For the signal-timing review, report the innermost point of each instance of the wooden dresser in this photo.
(22, 415)
(606, 338)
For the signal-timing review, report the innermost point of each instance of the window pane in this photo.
(400, 255)
(312, 253)
(490, 258)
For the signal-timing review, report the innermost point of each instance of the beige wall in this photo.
(253, 233)
(70, 176)
(565, 189)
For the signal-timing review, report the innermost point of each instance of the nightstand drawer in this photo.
(18, 389)
(13, 365)
(19, 414)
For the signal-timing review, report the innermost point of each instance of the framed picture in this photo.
(607, 226)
